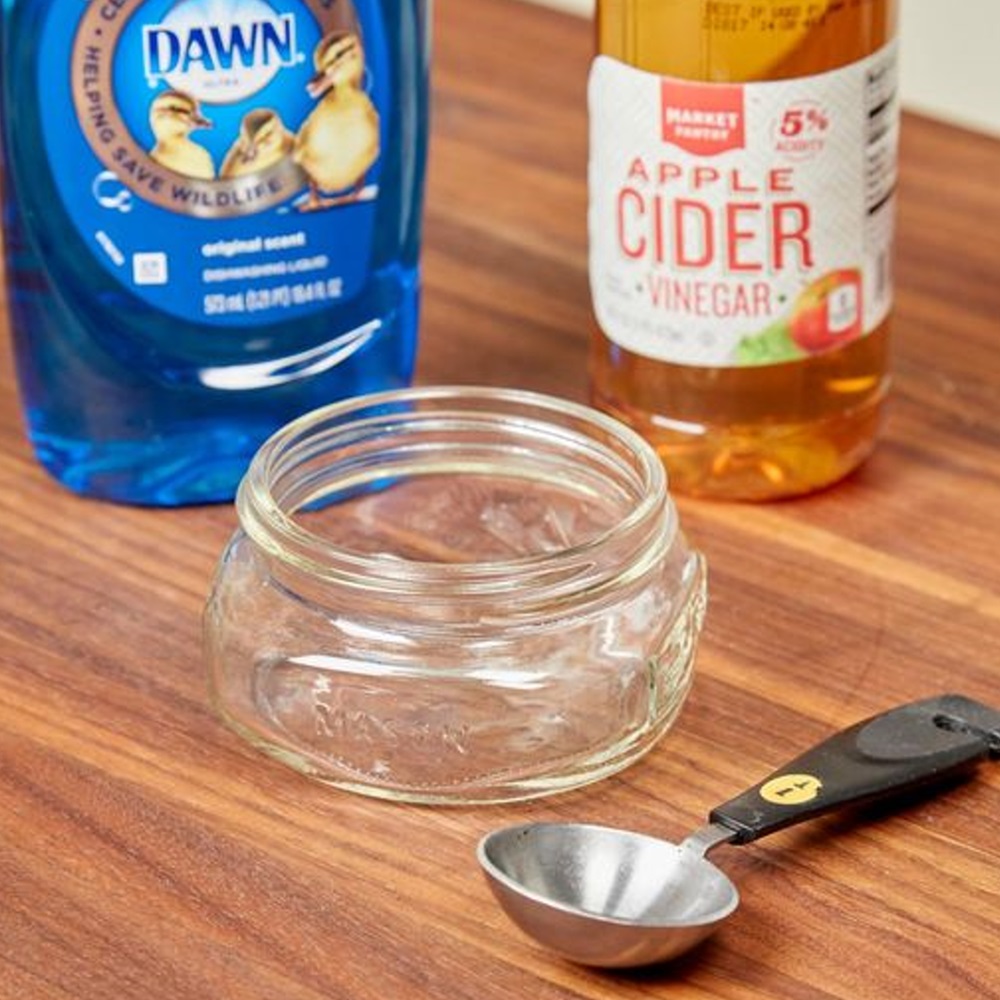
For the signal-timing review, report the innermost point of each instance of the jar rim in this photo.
(650, 524)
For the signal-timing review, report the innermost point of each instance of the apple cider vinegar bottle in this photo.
(742, 177)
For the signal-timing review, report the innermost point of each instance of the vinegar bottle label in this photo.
(220, 158)
(741, 224)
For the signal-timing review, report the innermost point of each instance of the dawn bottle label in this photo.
(221, 158)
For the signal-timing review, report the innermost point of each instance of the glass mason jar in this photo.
(454, 595)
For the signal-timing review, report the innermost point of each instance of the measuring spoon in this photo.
(615, 899)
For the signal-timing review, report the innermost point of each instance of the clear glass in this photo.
(454, 595)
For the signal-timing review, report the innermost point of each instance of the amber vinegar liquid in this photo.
(772, 430)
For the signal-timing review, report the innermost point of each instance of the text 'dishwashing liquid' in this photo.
(742, 174)
(212, 219)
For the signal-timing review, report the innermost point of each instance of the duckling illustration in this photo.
(173, 116)
(263, 141)
(339, 141)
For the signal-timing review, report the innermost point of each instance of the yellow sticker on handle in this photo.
(791, 789)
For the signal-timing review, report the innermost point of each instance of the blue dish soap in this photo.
(212, 215)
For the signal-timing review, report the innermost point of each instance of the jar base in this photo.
(518, 790)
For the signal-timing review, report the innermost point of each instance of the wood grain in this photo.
(145, 852)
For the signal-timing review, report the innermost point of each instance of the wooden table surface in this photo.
(146, 852)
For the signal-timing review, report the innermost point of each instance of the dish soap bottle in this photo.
(742, 171)
(212, 221)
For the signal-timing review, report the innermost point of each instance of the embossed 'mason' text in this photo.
(358, 725)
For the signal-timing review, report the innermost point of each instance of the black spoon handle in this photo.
(901, 750)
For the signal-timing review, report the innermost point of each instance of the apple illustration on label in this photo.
(828, 312)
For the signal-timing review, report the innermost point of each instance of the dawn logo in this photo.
(220, 51)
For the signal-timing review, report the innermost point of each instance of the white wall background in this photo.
(950, 58)
(950, 62)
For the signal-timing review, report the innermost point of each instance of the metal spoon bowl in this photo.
(612, 898)
(558, 881)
